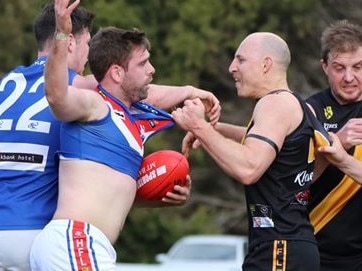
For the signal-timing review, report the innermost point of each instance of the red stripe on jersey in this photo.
(132, 127)
(80, 247)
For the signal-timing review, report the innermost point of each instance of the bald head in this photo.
(260, 64)
(267, 44)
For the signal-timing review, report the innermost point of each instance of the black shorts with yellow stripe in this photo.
(283, 255)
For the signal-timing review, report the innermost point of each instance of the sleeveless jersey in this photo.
(277, 202)
(342, 236)
(118, 139)
(29, 138)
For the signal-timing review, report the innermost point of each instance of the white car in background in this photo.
(199, 252)
(205, 252)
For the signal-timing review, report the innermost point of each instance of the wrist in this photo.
(202, 128)
(346, 161)
(192, 92)
(58, 35)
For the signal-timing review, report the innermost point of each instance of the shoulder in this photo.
(281, 111)
(278, 102)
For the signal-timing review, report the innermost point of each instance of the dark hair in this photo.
(111, 45)
(44, 24)
(341, 36)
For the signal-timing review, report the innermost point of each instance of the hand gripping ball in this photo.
(160, 172)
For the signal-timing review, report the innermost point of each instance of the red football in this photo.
(160, 172)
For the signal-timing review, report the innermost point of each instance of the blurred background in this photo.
(193, 43)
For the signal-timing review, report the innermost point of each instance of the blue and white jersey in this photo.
(29, 138)
(118, 139)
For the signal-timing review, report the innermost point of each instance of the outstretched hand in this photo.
(335, 153)
(351, 133)
(63, 10)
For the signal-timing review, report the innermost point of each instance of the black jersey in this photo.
(341, 237)
(277, 202)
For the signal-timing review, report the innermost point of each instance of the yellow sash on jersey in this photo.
(247, 130)
(336, 199)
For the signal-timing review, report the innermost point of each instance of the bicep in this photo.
(273, 126)
(267, 135)
(77, 104)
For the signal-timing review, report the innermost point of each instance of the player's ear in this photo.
(267, 64)
(72, 43)
(324, 64)
(117, 73)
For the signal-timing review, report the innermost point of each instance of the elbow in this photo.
(57, 108)
(52, 93)
(247, 176)
(52, 101)
(153, 98)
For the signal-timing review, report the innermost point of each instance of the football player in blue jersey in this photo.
(29, 137)
(101, 145)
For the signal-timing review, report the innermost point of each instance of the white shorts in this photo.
(72, 245)
(15, 249)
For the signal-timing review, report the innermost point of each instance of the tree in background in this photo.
(16, 35)
(193, 42)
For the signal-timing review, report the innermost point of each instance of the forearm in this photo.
(231, 156)
(231, 131)
(352, 167)
(337, 156)
(56, 71)
(166, 97)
